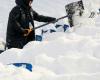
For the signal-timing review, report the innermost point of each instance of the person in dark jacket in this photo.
(19, 31)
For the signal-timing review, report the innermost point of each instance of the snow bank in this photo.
(40, 73)
(60, 56)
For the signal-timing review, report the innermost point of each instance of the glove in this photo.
(26, 32)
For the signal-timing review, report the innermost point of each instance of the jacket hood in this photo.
(23, 3)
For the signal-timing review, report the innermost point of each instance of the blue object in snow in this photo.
(99, 10)
(28, 66)
(51, 31)
(58, 25)
(44, 31)
(65, 27)
(38, 37)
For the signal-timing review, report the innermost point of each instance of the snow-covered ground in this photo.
(73, 55)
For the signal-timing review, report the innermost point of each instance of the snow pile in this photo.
(60, 56)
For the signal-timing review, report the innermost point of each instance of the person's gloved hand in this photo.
(26, 32)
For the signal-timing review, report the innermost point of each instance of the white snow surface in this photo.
(73, 55)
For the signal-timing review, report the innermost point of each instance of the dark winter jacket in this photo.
(19, 18)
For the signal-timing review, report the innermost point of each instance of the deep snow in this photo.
(73, 55)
